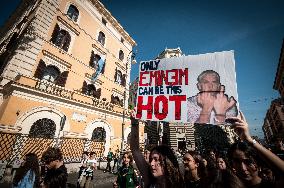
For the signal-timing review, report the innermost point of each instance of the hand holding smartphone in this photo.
(230, 121)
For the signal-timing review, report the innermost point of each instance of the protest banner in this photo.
(189, 89)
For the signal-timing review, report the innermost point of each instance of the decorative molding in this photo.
(79, 117)
(99, 49)
(106, 14)
(120, 66)
(52, 56)
(114, 90)
(98, 81)
(68, 25)
(67, 134)
(10, 128)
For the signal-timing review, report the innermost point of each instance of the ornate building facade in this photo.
(65, 69)
(274, 121)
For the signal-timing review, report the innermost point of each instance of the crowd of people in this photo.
(245, 164)
(52, 174)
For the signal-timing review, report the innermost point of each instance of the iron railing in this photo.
(15, 146)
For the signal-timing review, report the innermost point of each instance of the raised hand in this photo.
(241, 127)
(222, 103)
(133, 119)
(206, 101)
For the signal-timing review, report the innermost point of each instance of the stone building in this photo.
(65, 72)
(274, 120)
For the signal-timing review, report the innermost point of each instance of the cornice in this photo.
(101, 8)
(120, 66)
(69, 26)
(52, 56)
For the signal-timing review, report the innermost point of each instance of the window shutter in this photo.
(123, 80)
(61, 81)
(55, 34)
(112, 99)
(98, 93)
(67, 40)
(115, 75)
(40, 69)
(92, 58)
(85, 87)
(121, 102)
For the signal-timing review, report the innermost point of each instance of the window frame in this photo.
(102, 38)
(75, 10)
(121, 55)
(50, 74)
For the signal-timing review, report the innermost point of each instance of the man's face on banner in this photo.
(209, 82)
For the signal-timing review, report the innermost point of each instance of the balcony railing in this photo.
(50, 89)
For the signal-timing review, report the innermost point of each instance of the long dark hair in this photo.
(170, 164)
(31, 163)
(130, 157)
(201, 169)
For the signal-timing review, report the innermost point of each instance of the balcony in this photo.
(49, 90)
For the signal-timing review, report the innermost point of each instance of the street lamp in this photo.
(131, 58)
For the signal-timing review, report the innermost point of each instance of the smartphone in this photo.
(230, 121)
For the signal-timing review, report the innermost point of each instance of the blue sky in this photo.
(254, 29)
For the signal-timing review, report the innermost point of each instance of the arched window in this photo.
(99, 134)
(118, 76)
(73, 13)
(61, 38)
(116, 100)
(51, 73)
(43, 128)
(121, 55)
(102, 38)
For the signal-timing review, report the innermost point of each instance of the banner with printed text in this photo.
(189, 89)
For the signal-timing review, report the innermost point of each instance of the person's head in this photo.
(209, 80)
(267, 174)
(127, 159)
(190, 161)
(30, 163)
(212, 155)
(221, 163)
(243, 161)
(52, 157)
(54, 178)
(85, 154)
(278, 143)
(204, 161)
(193, 163)
(92, 155)
(163, 162)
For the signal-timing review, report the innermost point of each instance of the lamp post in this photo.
(133, 61)
(62, 123)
